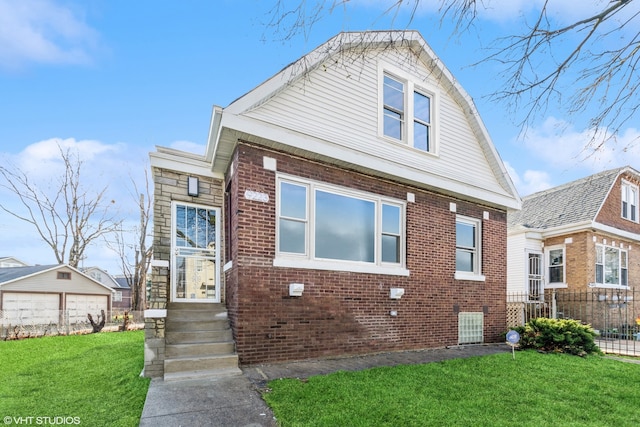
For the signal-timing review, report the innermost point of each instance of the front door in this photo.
(534, 277)
(195, 263)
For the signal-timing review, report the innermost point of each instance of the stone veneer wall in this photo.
(170, 186)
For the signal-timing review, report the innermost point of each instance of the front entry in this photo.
(195, 272)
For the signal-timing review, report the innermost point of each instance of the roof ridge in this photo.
(575, 183)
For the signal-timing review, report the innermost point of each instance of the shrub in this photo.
(558, 335)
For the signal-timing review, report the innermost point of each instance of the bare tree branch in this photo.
(66, 217)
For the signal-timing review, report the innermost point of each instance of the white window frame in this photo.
(547, 266)
(603, 248)
(308, 260)
(411, 85)
(628, 189)
(476, 274)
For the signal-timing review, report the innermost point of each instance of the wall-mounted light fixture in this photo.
(396, 293)
(192, 186)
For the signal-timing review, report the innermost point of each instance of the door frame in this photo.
(175, 251)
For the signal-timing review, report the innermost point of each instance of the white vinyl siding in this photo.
(323, 105)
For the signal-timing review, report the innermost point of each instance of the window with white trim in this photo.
(468, 246)
(555, 265)
(611, 266)
(407, 114)
(629, 201)
(322, 222)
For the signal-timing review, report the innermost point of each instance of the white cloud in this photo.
(560, 146)
(41, 31)
(104, 165)
(531, 181)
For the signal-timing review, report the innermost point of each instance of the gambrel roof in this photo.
(325, 107)
(572, 203)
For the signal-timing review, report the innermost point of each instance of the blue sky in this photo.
(115, 78)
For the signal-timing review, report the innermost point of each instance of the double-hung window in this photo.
(468, 248)
(611, 266)
(329, 227)
(629, 201)
(407, 114)
(555, 265)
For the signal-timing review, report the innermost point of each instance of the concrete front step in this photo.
(194, 350)
(198, 337)
(196, 306)
(200, 363)
(196, 325)
(196, 314)
(205, 374)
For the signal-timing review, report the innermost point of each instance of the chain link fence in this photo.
(19, 324)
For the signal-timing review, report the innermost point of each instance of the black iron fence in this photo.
(613, 313)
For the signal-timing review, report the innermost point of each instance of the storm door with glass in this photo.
(195, 242)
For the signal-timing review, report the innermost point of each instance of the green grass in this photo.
(532, 390)
(92, 377)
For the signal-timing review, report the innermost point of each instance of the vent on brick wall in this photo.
(470, 328)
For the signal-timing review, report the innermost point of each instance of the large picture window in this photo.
(321, 222)
(611, 266)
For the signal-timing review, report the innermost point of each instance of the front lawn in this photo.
(90, 380)
(532, 390)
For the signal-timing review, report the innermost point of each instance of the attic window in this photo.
(406, 112)
(629, 201)
(64, 275)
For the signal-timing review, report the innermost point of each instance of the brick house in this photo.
(580, 236)
(353, 203)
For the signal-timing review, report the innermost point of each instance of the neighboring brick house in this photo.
(353, 203)
(584, 235)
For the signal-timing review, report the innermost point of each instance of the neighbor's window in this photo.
(64, 275)
(555, 257)
(467, 245)
(317, 221)
(406, 113)
(611, 266)
(629, 201)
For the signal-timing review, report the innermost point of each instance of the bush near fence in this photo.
(20, 325)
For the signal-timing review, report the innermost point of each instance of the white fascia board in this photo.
(566, 229)
(214, 134)
(369, 161)
(179, 162)
(616, 231)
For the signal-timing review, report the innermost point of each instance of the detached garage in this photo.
(46, 294)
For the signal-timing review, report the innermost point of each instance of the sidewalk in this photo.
(235, 401)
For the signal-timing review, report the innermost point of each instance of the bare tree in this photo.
(135, 256)
(592, 62)
(67, 217)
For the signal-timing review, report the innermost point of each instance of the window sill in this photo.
(556, 285)
(469, 276)
(607, 286)
(339, 266)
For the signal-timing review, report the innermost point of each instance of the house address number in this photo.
(256, 195)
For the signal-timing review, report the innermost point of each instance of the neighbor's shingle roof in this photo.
(570, 203)
(11, 273)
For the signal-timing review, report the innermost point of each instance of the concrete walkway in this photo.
(234, 401)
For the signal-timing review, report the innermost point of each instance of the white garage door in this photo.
(79, 306)
(30, 309)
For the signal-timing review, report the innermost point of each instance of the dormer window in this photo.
(407, 113)
(629, 201)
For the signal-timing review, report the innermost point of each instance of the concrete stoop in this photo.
(199, 342)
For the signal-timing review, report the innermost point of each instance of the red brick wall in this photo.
(344, 312)
(611, 211)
